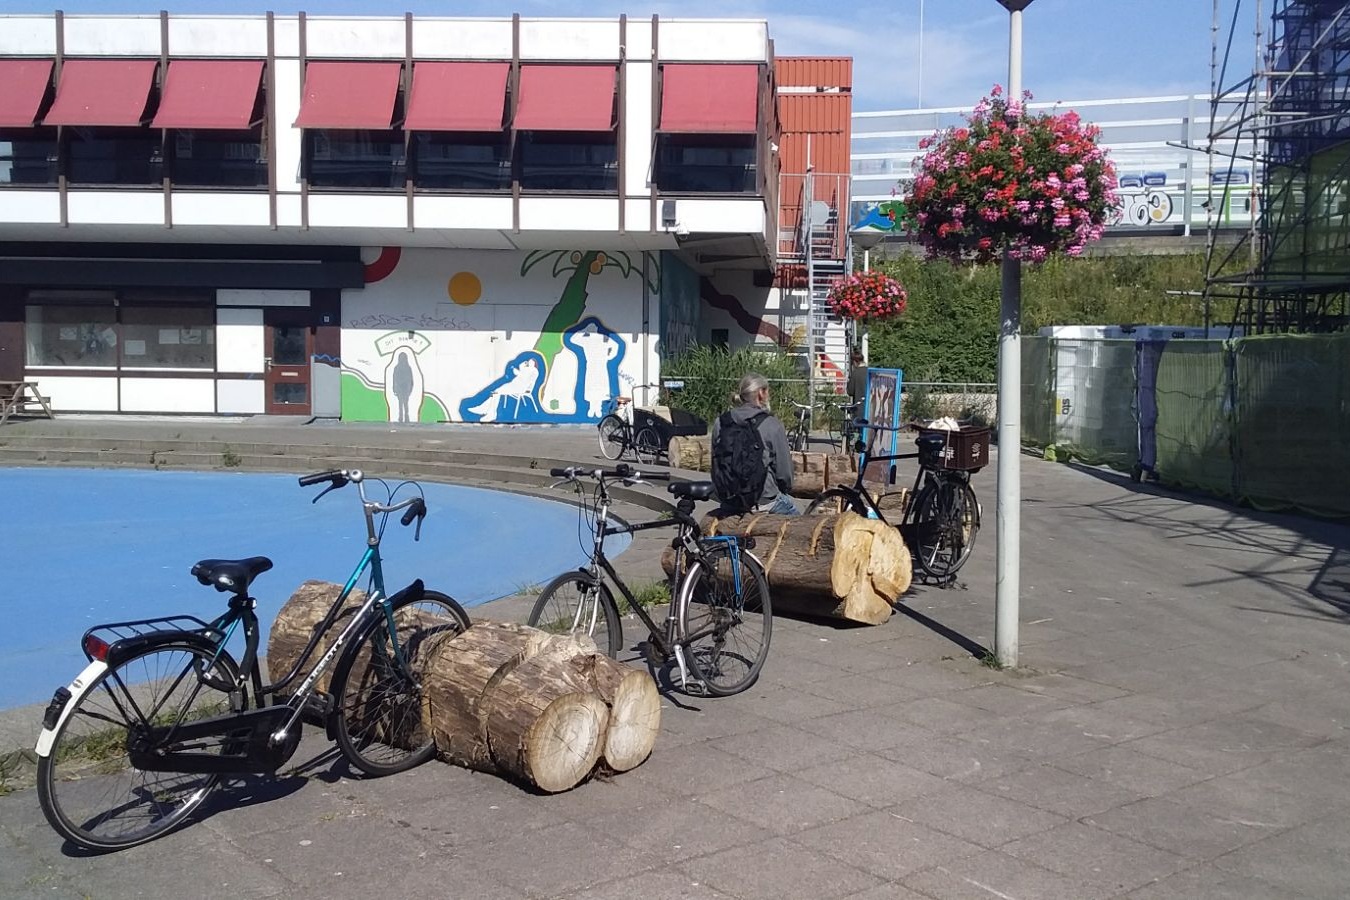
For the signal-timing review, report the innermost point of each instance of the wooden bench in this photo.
(21, 398)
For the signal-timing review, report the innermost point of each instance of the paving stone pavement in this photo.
(1177, 728)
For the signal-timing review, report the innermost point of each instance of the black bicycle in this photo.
(720, 618)
(162, 711)
(942, 516)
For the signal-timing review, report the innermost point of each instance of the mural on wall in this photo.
(515, 396)
(403, 381)
(472, 351)
(402, 396)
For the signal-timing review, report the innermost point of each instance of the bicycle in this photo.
(720, 619)
(619, 433)
(799, 438)
(847, 429)
(941, 519)
(132, 746)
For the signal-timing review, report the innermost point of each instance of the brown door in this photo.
(290, 345)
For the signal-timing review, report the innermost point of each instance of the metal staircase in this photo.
(820, 241)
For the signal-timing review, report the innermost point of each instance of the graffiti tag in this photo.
(425, 320)
(1144, 208)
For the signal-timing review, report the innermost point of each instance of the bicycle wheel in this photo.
(87, 787)
(726, 619)
(836, 500)
(381, 725)
(946, 522)
(613, 436)
(577, 602)
(647, 446)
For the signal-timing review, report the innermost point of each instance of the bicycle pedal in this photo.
(695, 689)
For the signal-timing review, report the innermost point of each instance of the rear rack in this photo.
(116, 631)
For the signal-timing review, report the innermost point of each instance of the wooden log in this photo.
(634, 708)
(296, 621)
(458, 682)
(692, 452)
(544, 723)
(823, 565)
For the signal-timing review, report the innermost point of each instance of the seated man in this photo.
(751, 461)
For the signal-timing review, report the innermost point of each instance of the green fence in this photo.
(1265, 420)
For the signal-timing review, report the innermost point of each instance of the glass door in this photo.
(290, 345)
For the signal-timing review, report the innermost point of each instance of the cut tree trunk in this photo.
(544, 723)
(843, 566)
(634, 708)
(296, 621)
(503, 697)
(692, 452)
(542, 708)
(458, 683)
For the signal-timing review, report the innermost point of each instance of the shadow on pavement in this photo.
(1280, 544)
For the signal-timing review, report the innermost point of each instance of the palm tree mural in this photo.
(582, 264)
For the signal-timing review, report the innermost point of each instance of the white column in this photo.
(1009, 498)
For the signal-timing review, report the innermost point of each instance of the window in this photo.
(361, 159)
(28, 156)
(219, 158)
(83, 335)
(569, 161)
(451, 160)
(168, 337)
(98, 334)
(706, 163)
(114, 156)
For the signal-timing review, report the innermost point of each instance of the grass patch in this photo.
(653, 593)
(990, 661)
(229, 459)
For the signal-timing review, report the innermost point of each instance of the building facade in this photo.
(396, 219)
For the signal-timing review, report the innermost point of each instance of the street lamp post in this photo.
(1009, 514)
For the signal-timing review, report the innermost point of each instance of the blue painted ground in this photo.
(85, 546)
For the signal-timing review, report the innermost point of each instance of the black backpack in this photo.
(738, 469)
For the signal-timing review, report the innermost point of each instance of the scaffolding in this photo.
(1290, 121)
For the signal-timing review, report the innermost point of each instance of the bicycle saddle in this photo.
(233, 575)
(694, 490)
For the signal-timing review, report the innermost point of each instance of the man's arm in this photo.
(775, 438)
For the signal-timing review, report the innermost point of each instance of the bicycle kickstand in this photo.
(693, 687)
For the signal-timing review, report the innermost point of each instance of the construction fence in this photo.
(1263, 420)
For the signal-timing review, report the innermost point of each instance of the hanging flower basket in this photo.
(1033, 184)
(867, 297)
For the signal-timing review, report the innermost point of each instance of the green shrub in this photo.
(710, 376)
(949, 333)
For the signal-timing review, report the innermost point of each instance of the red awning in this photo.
(109, 92)
(566, 98)
(709, 99)
(354, 95)
(457, 96)
(209, 93)
(23, 83)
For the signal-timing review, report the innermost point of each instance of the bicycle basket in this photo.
(964, 450)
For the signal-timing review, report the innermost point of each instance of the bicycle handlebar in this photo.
(624, 472)
(416, 506)
(860, 424)
(333, 475)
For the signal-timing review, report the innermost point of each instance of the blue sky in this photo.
(1074, 49)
